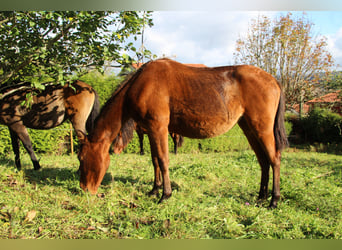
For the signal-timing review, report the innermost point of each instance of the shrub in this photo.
(320, 126)
(43, 141)
(233, 140)
(5, 140)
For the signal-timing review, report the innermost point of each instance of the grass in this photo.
(214, 196)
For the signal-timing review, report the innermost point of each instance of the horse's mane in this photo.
(128, 127)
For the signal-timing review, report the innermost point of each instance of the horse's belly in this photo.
(204, 117)
(201, 126)
(44, 117)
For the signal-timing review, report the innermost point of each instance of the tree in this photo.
(37, 45)
(287, 48)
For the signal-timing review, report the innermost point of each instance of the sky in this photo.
(209, 37)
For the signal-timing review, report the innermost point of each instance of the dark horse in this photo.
(165, 96)
(49, 108)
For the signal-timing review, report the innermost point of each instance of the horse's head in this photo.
(94, 161)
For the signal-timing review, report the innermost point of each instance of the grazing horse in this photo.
(165, 96)
(49, 108)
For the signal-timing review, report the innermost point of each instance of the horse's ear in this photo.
(82, 137)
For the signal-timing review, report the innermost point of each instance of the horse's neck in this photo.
(109, 121)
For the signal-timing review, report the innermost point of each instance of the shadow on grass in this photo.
(7, 161)
(58, 177)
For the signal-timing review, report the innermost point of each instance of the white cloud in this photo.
(197, 37)
(335, 46)
(209, 37)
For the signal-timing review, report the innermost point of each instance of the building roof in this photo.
(334, 97)
(328, 98)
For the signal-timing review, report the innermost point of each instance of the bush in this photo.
(51, 140)
(233, 140)
(5, 140)
(104, 85)
(43, 141)
(322, 125)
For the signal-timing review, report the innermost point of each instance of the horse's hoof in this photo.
(153, 192)
(164, 198)
(272, 206)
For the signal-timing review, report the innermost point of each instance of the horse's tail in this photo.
(95, 111)
(279, 125)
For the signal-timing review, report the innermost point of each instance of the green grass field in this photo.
(214, 196)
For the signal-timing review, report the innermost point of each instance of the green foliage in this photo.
(288, 127)
(335, 82)
(57, 44)
(214, 197)
(52, 141)
(5, 140)
(233, 140)
(322, 126)
(104, 84)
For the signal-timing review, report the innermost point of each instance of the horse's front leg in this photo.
(157, 177)
(160, 156)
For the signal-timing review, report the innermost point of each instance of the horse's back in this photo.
(201, 102)
(193, 102)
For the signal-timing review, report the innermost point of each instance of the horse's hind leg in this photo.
(23, 135)
(261, 156)
(16, 146)
(268, 141)
(263, 144)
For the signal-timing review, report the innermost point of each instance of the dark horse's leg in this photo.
(175, 139)
(16, 146)
(22, 134)
(141, 141)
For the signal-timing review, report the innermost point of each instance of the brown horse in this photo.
(165, 96)
(49, 108)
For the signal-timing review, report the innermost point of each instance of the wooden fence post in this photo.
(71, 141)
